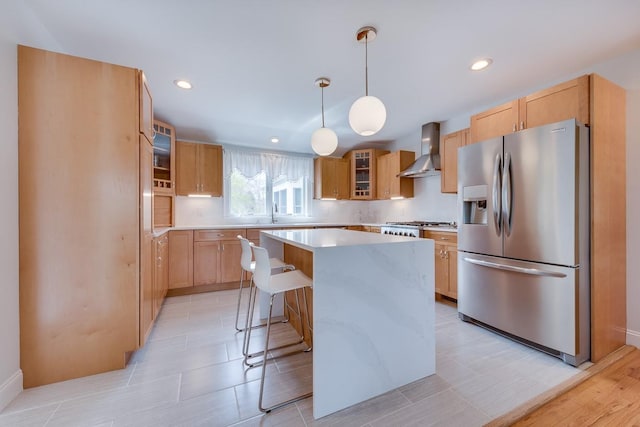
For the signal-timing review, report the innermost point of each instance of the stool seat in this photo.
(249, 266)
(288, 281)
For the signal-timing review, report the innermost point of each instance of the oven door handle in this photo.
(513, 268)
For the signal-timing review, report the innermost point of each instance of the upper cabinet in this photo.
(497, 121)
(560, 102)
(389, 165)
(363, 172)
(198, 169)
(331, 180)
(145, 107)
(449, 159)
(164, 163)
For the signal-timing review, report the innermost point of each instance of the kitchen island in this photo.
(373, 311)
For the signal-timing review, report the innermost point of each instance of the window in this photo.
(264, 184)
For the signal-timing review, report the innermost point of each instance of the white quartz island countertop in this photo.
(373, 311)
(311, 239)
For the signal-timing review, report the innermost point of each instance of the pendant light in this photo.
(324, 141)
(368, 114)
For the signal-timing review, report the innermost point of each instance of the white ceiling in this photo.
(253, 63)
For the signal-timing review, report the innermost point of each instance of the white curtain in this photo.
(250, 163)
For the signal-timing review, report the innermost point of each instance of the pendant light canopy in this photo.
(368, 114)
(324, 141)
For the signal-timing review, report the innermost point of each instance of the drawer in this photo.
(440, 236)
(253, 234)
(207, 235)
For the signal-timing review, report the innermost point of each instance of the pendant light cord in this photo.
(322, 91)
(366, 65)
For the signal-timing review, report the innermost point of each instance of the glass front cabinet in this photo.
(163, 158)
(363, 173)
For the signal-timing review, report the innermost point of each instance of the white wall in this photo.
(195, 212)
(17, 25)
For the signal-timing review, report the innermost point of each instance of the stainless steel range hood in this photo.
(428, 164)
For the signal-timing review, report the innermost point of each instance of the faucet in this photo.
(274, 210)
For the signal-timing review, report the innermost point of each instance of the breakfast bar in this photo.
(373, 311)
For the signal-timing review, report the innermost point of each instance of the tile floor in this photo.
(190, 373)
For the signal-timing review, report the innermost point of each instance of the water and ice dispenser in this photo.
(474, 204)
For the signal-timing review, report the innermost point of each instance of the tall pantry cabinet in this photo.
(85, 214)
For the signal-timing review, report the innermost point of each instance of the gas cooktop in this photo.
(451, 224)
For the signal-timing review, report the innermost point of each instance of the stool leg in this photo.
(306, 306)
(239, 299)
(264, 368)
(264, 361)
(247, 330)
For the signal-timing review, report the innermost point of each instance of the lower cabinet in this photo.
(216, 257)
(446, 262)
(180, 259)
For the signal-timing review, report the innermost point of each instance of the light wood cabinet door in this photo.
(186, 168)
(205, 262)
(209, 169)
(331, 178)
(383, 189)
(161, 274)
(342, 179)
(146, 107)
(441, 269)
(198, 169)
(389, 185)
(230, 269)
(452, 255)
(180, 259)
(498, 121)
(560, 102)
(146, 240)
(446, 262)
(449, 159)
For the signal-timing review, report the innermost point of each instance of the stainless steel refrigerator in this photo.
(523, 238)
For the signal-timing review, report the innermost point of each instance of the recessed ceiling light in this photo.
(275, 140)
(481, 64)
(182, 84)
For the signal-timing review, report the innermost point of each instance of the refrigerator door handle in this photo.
(506, 194)
(497, 199)
(531, 271)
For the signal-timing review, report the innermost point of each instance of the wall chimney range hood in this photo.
(428, 164)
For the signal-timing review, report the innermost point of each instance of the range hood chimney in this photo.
(428, 164)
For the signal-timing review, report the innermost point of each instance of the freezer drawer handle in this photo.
(532, 271)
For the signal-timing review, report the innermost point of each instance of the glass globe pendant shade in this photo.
(367, 115)
(324, 141)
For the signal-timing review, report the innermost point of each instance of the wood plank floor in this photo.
(609, 396)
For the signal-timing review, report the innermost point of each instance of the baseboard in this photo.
(10, 389)
(633, 338)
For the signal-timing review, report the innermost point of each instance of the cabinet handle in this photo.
(515, 127)
(521, 125)
(222, 247)
(444, 238)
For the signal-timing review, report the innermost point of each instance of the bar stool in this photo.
(248, 265)
(274, 285)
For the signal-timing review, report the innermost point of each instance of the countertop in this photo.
(311, 239)
(157, 232)
(160, 231)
